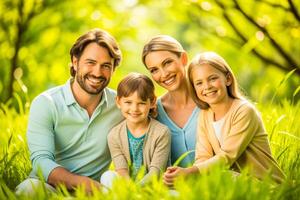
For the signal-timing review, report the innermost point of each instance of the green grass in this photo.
(282, 123)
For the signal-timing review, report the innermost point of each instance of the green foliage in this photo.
(282, 82)
(283, 127)
(14, 161)
(284, 134)
(42, 59)
(177, 162)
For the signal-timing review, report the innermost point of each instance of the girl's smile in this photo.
(134, 109)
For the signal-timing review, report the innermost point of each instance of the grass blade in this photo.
(182, 157)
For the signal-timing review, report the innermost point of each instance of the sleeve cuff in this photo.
(45, 166)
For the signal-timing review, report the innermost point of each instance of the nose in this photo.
(164, 72)
(97, 71)
(134, 107)
(206, 85)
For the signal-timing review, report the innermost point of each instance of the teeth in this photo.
(94, 80)
(210, 93)
(169, 81)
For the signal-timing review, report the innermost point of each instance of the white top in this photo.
(218, 127)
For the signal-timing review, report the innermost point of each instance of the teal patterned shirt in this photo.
(136, 153)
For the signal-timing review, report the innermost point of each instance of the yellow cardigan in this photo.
(243, 143)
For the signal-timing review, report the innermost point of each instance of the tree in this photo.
(15, 19)
(275, 26)
(35, 36)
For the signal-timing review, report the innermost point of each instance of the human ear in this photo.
(153, 102)
(184, 58)
(74, 62)
(117, 99)
(228, 79)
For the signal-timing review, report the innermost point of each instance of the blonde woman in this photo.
(166, 60)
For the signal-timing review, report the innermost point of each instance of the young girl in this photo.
(166, 60)
(230, 130)
(139, 140)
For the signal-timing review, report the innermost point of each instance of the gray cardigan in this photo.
(156, 148)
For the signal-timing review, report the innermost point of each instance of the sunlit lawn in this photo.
(283, 126)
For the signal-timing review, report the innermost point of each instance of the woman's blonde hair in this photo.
(140, 83)
(162, 43)
(216, 61)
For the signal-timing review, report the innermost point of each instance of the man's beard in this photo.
(82, 81)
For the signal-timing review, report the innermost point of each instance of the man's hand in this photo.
(60, 175)
(88, 184)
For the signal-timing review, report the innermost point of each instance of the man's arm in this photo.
(41, 143)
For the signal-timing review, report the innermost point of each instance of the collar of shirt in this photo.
(69, 97)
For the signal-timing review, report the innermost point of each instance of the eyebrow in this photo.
(207, 77)
(107, 63)
(166, 60)
(213, 75)
(90, 59)
(93, 60)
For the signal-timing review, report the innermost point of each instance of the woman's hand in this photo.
(173, 172)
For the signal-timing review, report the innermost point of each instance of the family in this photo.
(77, 129)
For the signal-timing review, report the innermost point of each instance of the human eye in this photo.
(107, 66)
(90, 62)
(213, 78)
(198, 83)
(153, 70)
(127, 102)
(168, 62)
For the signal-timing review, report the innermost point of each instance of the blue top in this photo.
(61, 133)
(182, 139)
(136, 145)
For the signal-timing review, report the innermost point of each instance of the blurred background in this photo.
(260, 39)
